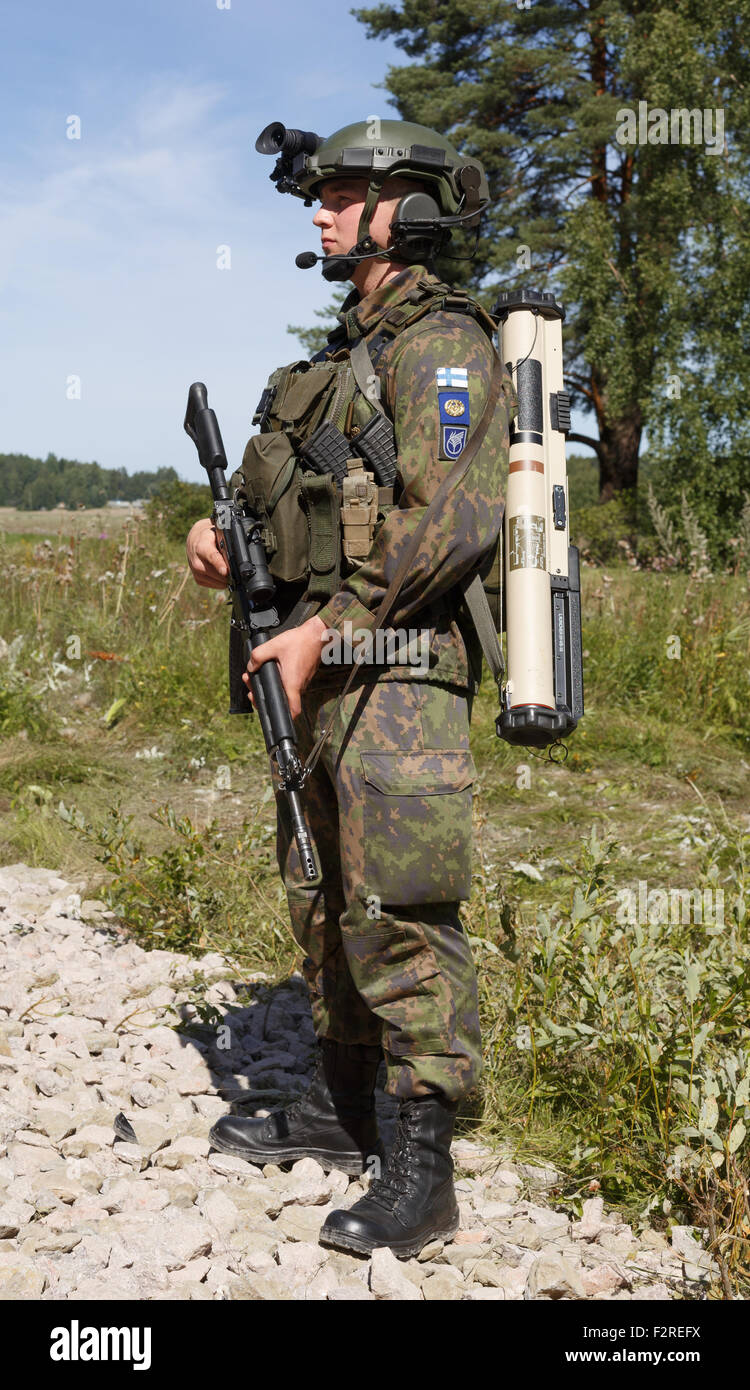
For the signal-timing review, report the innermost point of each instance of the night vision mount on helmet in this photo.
(455, 194)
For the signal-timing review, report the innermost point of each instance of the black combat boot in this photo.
(414, 1201)
(334, 1122)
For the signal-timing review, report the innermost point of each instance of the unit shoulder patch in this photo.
(453, 406)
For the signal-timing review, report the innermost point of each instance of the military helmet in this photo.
(377, 150)
(387, 148)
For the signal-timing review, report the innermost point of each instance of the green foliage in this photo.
(608, 531)
(628, 1019)
(682, 651)
(583, 473)
(191, 895)
(175, 506)
(31, 484)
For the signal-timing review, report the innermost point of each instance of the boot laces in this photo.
(399, 1174)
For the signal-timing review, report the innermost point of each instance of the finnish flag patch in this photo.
(453, 406)
(452, 376)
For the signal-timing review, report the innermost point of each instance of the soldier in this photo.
(388, 801)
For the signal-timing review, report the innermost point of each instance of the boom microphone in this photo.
(306, 260)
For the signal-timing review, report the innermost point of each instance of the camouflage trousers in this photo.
(389, 809)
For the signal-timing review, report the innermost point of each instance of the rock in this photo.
(302, 1261)
(351, 1291)
(387, 1279)
(127, 1194)
(538, 1179)
(48, 1082)
(229, 1166)
(488, 1273)
(194, 1272)
(689, 1249)
(552, 1277)
(302, 1223)
(182, 1152)
(27, 1159)
(13, 1216)
(55, 1124)
(620, 1242)
(132, 1154)
(261, 1287)
(259, 1262)
(446, 1285)
(603, 1279)
(475, 1237)
(460, 1255)
(87, 1141)
(181, 1191)
(590, 1224)
(220, 1212)
(431, 1251)
(143, 1094)
(308, 1184)
(653, 1240)
(472, 1158)
(495, 1211)
(43, 1241)
(525, 1233)
(20, 1278)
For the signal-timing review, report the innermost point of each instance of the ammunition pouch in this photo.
(317, 526)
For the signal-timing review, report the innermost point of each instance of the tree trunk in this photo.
(619, 442)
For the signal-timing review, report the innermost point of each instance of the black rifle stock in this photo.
(253, 593)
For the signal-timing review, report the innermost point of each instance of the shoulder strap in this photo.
(479, 608)
(447, 486)
(364, 369)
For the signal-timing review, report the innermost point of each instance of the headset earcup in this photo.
(415, 245)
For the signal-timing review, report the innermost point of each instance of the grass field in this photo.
(617, 1042)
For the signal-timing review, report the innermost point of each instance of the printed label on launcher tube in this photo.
(527, 549)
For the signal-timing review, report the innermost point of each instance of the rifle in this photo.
(253, 592)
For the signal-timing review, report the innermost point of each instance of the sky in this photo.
(115, 292)
(108, 243)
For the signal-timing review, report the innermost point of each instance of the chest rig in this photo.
(322, 473)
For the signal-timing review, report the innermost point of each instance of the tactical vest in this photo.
(316, 530)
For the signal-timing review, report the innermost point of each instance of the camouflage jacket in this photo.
(443, 356)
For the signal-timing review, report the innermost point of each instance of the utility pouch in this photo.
(359, 511)
(306, 394)
(320, 503)
(271, 481)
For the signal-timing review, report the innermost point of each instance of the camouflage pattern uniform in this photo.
(389, 800)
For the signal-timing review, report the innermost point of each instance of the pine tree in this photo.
(620, 230)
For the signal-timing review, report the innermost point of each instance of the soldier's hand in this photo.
(299, 654)
(208, 565)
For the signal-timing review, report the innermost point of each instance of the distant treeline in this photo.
(31, 484)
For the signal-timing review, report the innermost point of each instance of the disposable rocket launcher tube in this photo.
(543, 695)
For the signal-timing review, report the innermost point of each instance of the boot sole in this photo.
(403, 1250)
(353, 1164)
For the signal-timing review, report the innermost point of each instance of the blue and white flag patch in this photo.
(453, 404)
(452, 376)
